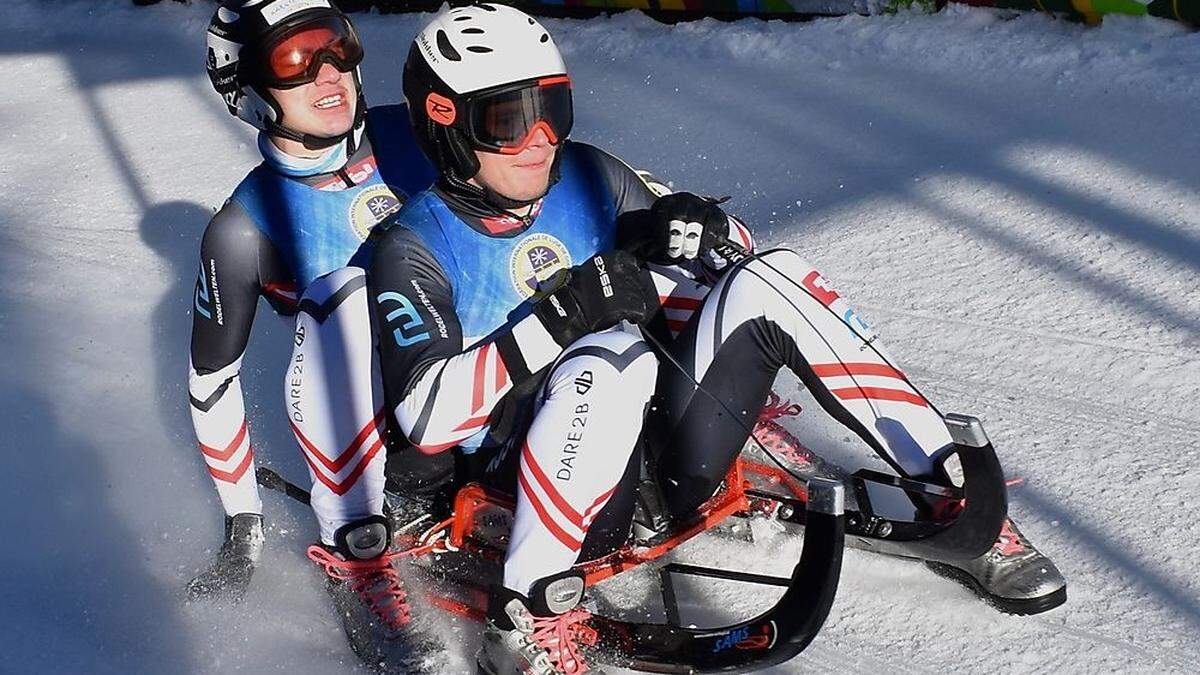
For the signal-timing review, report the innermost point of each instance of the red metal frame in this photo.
(730, 500)
(468, 500)
(458, 532)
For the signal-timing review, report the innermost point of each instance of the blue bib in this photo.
(492, 276)
(319, 230)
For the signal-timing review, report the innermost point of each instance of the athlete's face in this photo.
(522, 176)
(323, 107)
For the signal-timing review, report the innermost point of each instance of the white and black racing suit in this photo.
(289, 222)
(467, 366)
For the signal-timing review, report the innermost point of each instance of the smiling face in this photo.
(520, 177)
(324, 107)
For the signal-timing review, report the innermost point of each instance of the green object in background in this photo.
(926, 6)
(1185, 11)
(1093, 10)
(1119, 7)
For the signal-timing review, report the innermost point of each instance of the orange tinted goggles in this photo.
(507, 120)
(295, 57)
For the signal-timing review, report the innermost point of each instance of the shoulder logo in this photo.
(535, 259)
(370, 207)
(409, 332)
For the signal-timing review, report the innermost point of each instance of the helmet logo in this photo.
(440, 109)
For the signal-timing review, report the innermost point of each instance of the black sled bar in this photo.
(976, 528)
(769, 639)
(273, 481)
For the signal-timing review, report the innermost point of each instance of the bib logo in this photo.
(534, 259)
(370, 207)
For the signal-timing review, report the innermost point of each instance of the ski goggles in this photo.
(506, 120)
(294, 57)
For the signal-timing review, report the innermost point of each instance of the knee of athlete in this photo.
(204, 382)
(632, 382)
(616, 366)
(198, 381)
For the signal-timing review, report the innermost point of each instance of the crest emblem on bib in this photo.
(371, 206)
(535, 259)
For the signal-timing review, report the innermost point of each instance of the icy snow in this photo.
(1013, 202)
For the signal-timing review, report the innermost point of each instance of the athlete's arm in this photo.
(634, 193)
(237, 263)
(442, 394)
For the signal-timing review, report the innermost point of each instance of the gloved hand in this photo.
(598, 294)
(686, 226)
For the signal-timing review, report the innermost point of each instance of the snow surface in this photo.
(1014, 203)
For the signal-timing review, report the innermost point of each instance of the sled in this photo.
(460, 553)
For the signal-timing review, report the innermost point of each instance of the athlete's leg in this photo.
(766, 313)
(577, 451)
(777, 311)
(334, 401)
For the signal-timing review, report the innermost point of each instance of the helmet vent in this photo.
(447, 49)
(487, 8)
(545, 37)
(463, 18)
(531, 21)
(480, 50)
(472, 31)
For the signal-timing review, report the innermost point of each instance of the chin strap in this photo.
(489, 202)
(313, 142)
(310, 141)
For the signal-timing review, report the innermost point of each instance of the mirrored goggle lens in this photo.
(505, 120)
(296, 57)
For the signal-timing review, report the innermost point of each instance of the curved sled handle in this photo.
(771, 638)
(985, 498)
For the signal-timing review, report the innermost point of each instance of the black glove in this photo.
(686, 226)
(598, 294)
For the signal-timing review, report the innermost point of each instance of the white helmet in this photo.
(484, 77)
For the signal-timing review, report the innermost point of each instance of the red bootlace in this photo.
(775, 437)
(556, 635)
(1009, 542)
(777, 407)
(375, 580)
